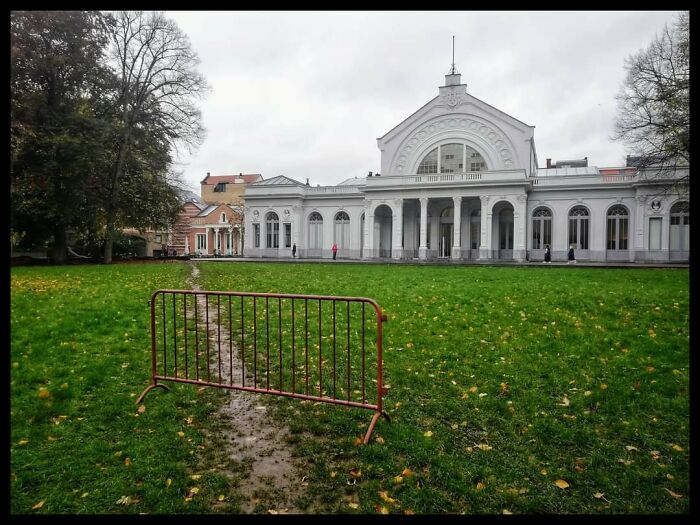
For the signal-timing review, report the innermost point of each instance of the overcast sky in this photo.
(306, 94)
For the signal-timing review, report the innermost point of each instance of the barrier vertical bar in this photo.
(218, 336)
(174, 337)
(184, 315)
(196, 336)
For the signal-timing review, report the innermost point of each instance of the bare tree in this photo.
(653, 110)
(158, 90)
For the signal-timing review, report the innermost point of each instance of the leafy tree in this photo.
(653, 112)
(55, 75)
(154, 108)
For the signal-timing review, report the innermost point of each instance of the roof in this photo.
(352, 181)
(280, 180)
(247, 178)
(190, 196)
(206, 211)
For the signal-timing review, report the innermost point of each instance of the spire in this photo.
(453, 71)
(453, 78)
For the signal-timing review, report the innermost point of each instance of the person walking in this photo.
(294, 250)
(571, 256)
(334, 249)
(547, 254)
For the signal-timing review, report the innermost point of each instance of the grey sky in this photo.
(306, 94)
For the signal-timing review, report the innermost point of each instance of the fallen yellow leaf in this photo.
(380, 440)
(398, 479)
(355, 472)
(480, 486)
(381, 509)
(353, 505)
(407, 473)
(38, 505)
(673, 494)
(221, 497)
(141, 409)
(168, 482)
(195, 476)
(561, 484)
(677, 448)
(428, 433)
(43, 393)
(598, 495)
(23, 442)
(385, 496)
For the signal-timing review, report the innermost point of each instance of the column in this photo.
(217, 243)
(457, 228)
(397, 230)
(423, 248)
(486, 227)
(640, 246)
(519, 228)
(229, 250)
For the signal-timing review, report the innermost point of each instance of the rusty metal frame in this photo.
(157, 377)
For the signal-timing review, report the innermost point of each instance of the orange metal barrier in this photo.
(321, 346)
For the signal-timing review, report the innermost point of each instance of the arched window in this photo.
(342, 230)
(618, 228)
(223, 218)
(680, 226)
(447, 212)
(578, 227)
(315, 231)
(429, 163)
(452, 158)
(272, 223)
(541, 228)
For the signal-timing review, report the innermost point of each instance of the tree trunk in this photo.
(59, 252)
(111, 207)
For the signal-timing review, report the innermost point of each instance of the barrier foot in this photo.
(371, 426)
(148, 389)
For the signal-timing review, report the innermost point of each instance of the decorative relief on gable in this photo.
(452, 98)
(458, 124)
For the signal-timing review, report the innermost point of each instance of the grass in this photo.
(503, 381)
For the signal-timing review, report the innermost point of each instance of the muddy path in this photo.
(271, 482)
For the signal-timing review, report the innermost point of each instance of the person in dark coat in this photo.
(547, 254)
(334, 249)
(294, 250)
(572, 257)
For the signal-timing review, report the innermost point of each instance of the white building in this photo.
(460, 181)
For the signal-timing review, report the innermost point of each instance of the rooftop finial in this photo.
(453, 70)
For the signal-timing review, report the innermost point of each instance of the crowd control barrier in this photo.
(312, 347)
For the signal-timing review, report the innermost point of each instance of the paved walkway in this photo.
(447, 262)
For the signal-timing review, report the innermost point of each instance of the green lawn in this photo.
(504, 384)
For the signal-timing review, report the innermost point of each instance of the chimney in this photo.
(377, 174)
(369, 174)
(307, 181)
(549, 163)
(240, 174)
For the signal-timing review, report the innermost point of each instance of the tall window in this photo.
(618, 228)
(452, 158)
(541, 228)
(680, 226)
(287, 235)
(201, 242)
(223, 218)
(256, 235)
(315, 231)
(342, 230)
(475, 229)
(272, 226)
(578, 227)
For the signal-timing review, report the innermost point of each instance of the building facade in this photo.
(460, 181)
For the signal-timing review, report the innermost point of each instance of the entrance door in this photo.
(505, 231)
(445, 240)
